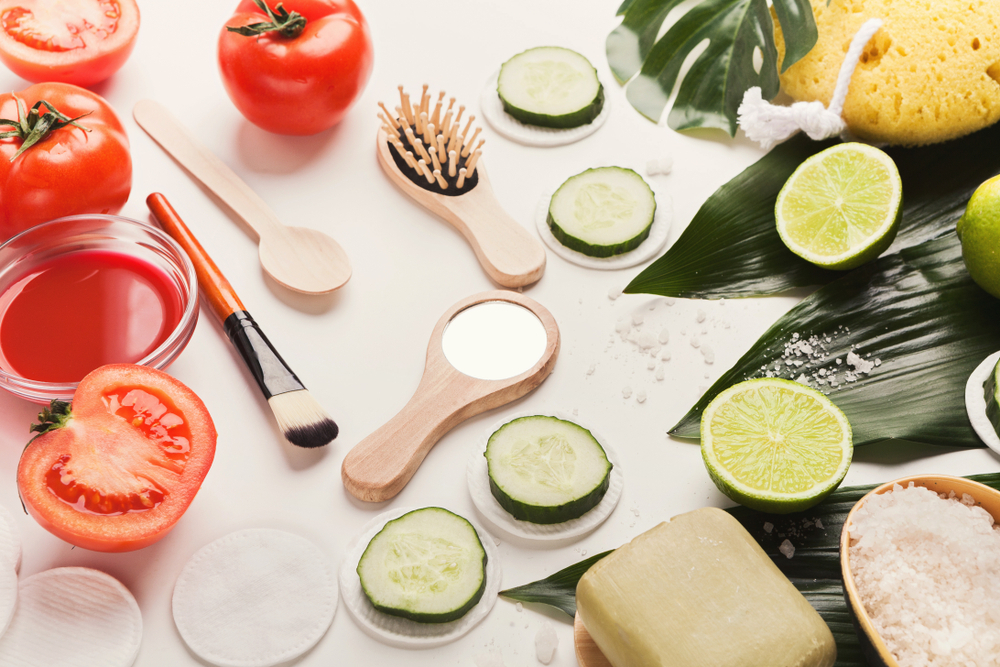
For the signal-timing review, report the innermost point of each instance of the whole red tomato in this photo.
(71, 169)
(117, 471)
(73, 41)
(297, 66)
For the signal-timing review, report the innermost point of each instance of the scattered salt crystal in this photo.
(768, 527)
(659, 374)
(591, 369)
(708, 353)
(802, 379)
(663, 165)
(640, 396)
(878, 362)
(819, 524)
(695, 340)
(664, 336)
(839, 362)
(665, 356)
(518, 607)
(700, 317)
(626, 392)
(787, 549)
(860, 365)
(638, 317)
(651, 364)
(614, 293)
(646, 340)
(546, 642)
(583, 552)
(623, 327)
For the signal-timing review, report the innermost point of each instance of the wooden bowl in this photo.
(872, 646)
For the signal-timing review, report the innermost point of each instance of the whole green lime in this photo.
(979, 231)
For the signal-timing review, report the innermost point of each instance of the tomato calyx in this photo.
(288, 25)
(54, 417)
(33, 126)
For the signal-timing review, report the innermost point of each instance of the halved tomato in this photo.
(117, 471)
(72, 41)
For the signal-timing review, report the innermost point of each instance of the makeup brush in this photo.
(300, 417)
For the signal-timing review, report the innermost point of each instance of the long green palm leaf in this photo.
(732, 249)
(916, 316)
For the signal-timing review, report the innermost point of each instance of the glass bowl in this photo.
(21, 253)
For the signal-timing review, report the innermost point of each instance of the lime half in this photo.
(775, 445)
(841, 207)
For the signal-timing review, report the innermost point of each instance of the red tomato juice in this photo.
(70, 314)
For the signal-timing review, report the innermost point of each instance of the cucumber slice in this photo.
(992, 389)
(546, 470)
(602, 212)
(428, 566)
(550, 86)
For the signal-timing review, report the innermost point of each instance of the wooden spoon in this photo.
(301, 259)
(872, 645)
(378, 467)
(510, 255)
(588, 653)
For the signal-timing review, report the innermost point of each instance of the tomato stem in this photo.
(289, 25)
(56, 416)
(33, 126)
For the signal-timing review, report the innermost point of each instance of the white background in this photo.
(361, 350)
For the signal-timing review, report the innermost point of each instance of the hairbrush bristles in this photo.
(429, 146)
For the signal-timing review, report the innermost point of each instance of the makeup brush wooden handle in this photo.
(214, 286)
(272, 374)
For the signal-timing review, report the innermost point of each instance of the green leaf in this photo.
(814, 569)
(557, 590)
(712, 90)
(732, 249)
(918, 313)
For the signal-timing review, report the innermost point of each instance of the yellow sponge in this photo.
(932, 73)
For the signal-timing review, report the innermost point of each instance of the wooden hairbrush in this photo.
(428, 155)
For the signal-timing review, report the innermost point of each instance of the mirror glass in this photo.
(494, 340)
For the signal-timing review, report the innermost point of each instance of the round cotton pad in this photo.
(402, 632)
(975, 402)
(72, 616)
(10, 541)
(648, 249)
(255, 598)
(487, 505)
(531, 135)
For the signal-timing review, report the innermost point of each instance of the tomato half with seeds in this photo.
(82, 42)
(117, 471)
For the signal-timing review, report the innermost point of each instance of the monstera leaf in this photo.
(713, 88)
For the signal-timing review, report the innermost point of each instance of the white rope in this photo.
(768, 124)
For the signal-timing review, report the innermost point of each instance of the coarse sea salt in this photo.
(927, 569)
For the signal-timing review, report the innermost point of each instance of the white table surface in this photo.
(361, 350)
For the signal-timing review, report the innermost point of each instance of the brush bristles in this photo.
(446, 152)
(302, 420)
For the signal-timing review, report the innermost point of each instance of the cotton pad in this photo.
(255, 598)
(70, 617)
(10, 541)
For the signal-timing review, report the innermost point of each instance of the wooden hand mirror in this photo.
(486, 351)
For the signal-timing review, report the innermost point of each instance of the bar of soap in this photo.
(696, 591)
